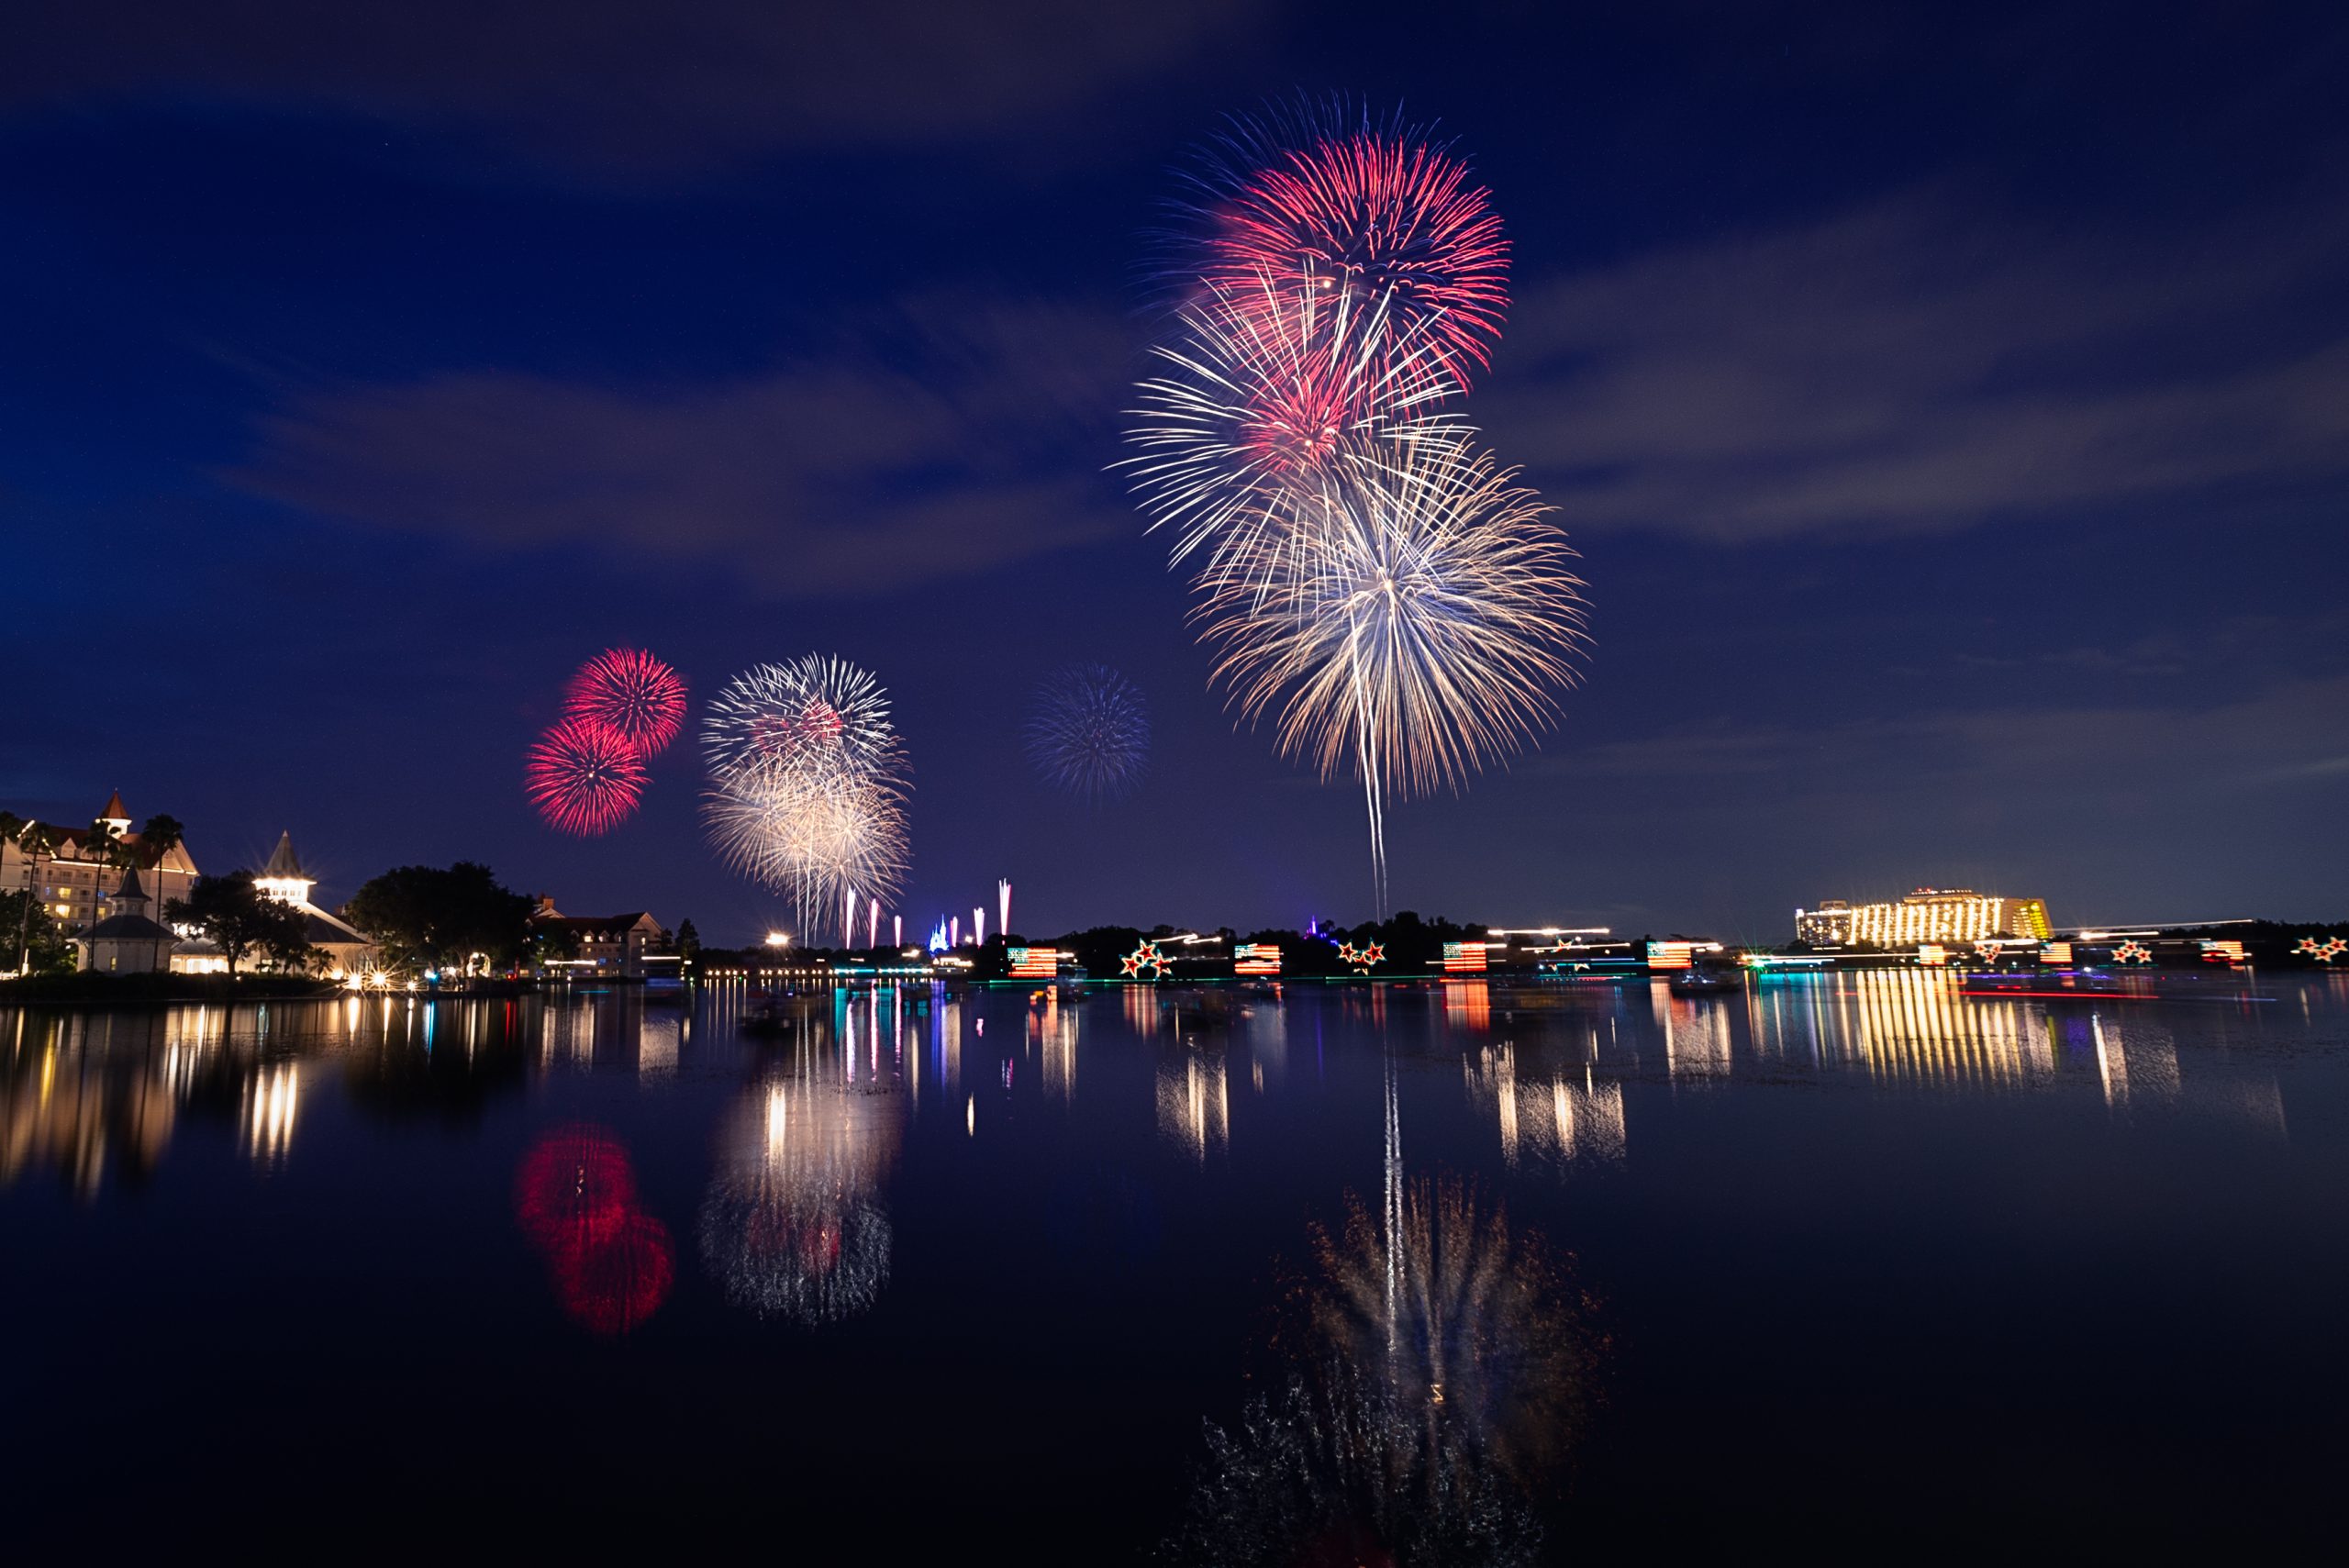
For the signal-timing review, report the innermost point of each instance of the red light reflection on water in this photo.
(612, 1263)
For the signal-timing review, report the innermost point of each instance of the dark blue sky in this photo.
(1952, 415)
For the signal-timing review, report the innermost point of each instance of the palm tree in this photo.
(12, 830)
(113, 852)
(160, 838)
(33, 843)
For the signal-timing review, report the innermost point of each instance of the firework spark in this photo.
(813, 713)
(808, 786)
(1089, 733)
(631, 693)
(1326, 202)
(1368, 578)
(818, 838)
(584, 778)
(1255, 393)
(1410, 624)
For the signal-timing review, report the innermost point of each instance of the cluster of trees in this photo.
(244, 921)
(424, 918)
(434, 917)
(30, 939)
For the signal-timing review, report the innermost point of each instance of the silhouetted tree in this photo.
(428, 916)
(42, 947)
(234, 913)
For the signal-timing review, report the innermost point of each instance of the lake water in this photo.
(1458, 1272)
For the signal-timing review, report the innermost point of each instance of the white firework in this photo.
(1256, 395)
(808, 786)
(1410, 621)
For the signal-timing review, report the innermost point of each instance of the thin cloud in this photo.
(1958, 761)
(615, 86)
(1917, 365)
(858, 473)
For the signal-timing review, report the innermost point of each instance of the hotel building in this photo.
(77, 875)
(1928, 915)
(608, 945)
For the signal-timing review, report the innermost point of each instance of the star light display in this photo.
(2324, 950)
(1362, 957)
(2133, 952)
(1148, 957)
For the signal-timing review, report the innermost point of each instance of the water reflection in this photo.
(1052, 1029)
(1434, 1388)
(610, 1261)
(1554, 1091)
(1194, 1097)
(794, 1225)
(1561, 1117)
(271, 1095)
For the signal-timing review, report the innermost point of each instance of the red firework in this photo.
(583, 777)
(630, 693)
(1372, 220)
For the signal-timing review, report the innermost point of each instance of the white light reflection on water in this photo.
(1558, 1118)
(1194, 1098)
(272, 1099)
(1053, 1031)
(793, 1225)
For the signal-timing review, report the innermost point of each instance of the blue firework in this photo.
(1089, 732)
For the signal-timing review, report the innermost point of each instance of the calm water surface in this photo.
(1456, 1273)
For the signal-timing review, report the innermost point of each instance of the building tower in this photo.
(282, 878)
(126, 941)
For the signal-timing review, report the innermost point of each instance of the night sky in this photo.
(1952, 415)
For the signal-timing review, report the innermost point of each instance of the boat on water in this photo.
(766, 1014)
(1707, 983)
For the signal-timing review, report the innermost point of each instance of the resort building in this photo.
(76, 875)
(126, 941)
(608, 946)
(347, 949)
(1928, 915)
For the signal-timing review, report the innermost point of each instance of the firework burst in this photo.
(1256, 393)
(812, 714)
(584, 778)
(631, 693)
(1324, 202)
(808, 786)
(1411, 621)
(1089, 733)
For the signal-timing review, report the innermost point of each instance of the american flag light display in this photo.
(1035, 963)
(2055, 953)
(1464, 958)
(1671, 955)
(1256, 958)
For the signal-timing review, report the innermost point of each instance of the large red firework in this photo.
(630, 693)
(1373, 221)
(583, 777)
